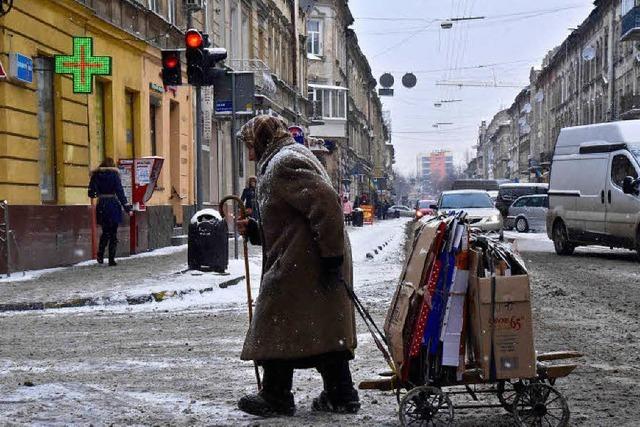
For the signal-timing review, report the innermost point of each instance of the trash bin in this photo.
(208, 243)
(357, 217)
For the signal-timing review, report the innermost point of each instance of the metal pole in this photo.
(234, 158)
(199, 148)
(7, 235)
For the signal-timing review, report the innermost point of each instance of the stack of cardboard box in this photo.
(461, 304)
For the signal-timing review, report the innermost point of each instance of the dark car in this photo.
(424, 208)
(508, 193)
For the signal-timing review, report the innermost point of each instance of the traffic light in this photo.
(196, 57)
(171, 68)
(213, 57)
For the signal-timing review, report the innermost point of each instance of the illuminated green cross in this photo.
(83, 65)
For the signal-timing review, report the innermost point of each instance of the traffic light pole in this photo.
(199, 125)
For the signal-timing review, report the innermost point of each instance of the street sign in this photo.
(245, 93)
(21, 67)
(83, 65)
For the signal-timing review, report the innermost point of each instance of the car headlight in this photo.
(493, 218)
(418, 214)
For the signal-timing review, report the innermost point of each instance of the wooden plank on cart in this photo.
(559, 371)
(385, 384)
(558, 355)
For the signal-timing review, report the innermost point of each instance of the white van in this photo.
(591, 200)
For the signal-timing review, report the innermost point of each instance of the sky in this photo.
(406, 36)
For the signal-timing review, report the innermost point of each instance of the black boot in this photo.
(266, 405)
(104, 239)
(113, 247)
(339, 395)
(275, 398)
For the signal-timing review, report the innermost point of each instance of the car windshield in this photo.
(465, 200)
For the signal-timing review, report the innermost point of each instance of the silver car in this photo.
(528, 213)
(396, 211)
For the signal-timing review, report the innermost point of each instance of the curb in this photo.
(377, 250)
(109, 301)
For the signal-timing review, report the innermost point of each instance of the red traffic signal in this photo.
(171, 68)
(193, 39)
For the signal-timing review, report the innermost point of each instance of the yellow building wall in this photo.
(51, 25)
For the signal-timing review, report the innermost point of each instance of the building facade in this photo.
(434, 171)
(592, 77)
(51, 138)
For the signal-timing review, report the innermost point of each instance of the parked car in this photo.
(397, 211)
(478, 205)
(508, 194)
(424, 208)
(528, 213)
(593, 193)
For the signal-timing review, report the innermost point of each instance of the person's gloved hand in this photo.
(331, 276)
(128, 208)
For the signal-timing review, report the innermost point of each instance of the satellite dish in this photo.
(409, 80)
(588, 53)
(386, 80)
(526, 108)
(539, 96)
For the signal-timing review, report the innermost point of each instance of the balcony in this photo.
(630, 25)
(263, 79)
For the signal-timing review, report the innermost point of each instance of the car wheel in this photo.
(522, 225)
(561, 241)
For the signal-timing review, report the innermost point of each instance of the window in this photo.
(153, 120)
(154, 5)
(46, 130)
(100, 118)
(332, 103)
(129, 124)
(171, 11)
(314, 37)
(621, 167)
(246, 37)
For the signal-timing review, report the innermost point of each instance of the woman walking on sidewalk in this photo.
(105, 184)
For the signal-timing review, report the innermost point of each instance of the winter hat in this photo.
(261, 131)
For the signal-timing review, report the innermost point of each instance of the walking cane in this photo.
(243, 214)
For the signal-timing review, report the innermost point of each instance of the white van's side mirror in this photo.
(630, 185)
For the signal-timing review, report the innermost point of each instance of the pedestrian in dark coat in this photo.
(249, 198)
(105, 184)
(304, 316)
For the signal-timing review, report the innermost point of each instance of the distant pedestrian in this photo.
(347, 210)
(385, 209)
(249, 198)
(105, 184)
(303, 317)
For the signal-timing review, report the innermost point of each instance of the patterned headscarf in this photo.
(261, 131)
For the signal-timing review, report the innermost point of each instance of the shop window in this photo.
(100, 120)
(154, 116)
(130, 99)
(46, 128)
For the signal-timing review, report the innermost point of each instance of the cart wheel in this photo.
(426, 406)
(540, 404)
(507, 391)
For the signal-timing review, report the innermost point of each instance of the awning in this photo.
(316, 86)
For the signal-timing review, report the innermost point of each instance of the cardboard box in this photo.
(508, 324)
(395, 325)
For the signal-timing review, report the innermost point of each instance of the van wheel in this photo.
(561, 239)
(522, 225)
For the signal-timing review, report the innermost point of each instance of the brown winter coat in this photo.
(297, 315)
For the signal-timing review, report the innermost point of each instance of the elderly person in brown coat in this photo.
(303, 317)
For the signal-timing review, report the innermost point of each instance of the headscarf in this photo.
(261, 131)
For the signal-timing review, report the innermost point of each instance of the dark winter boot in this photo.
(265, 405)
(338, 396)
(113, 247)
(104, 239)
(346, 404)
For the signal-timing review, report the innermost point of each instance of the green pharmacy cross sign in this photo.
(83, 65)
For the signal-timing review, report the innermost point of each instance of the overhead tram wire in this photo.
(412, 35)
